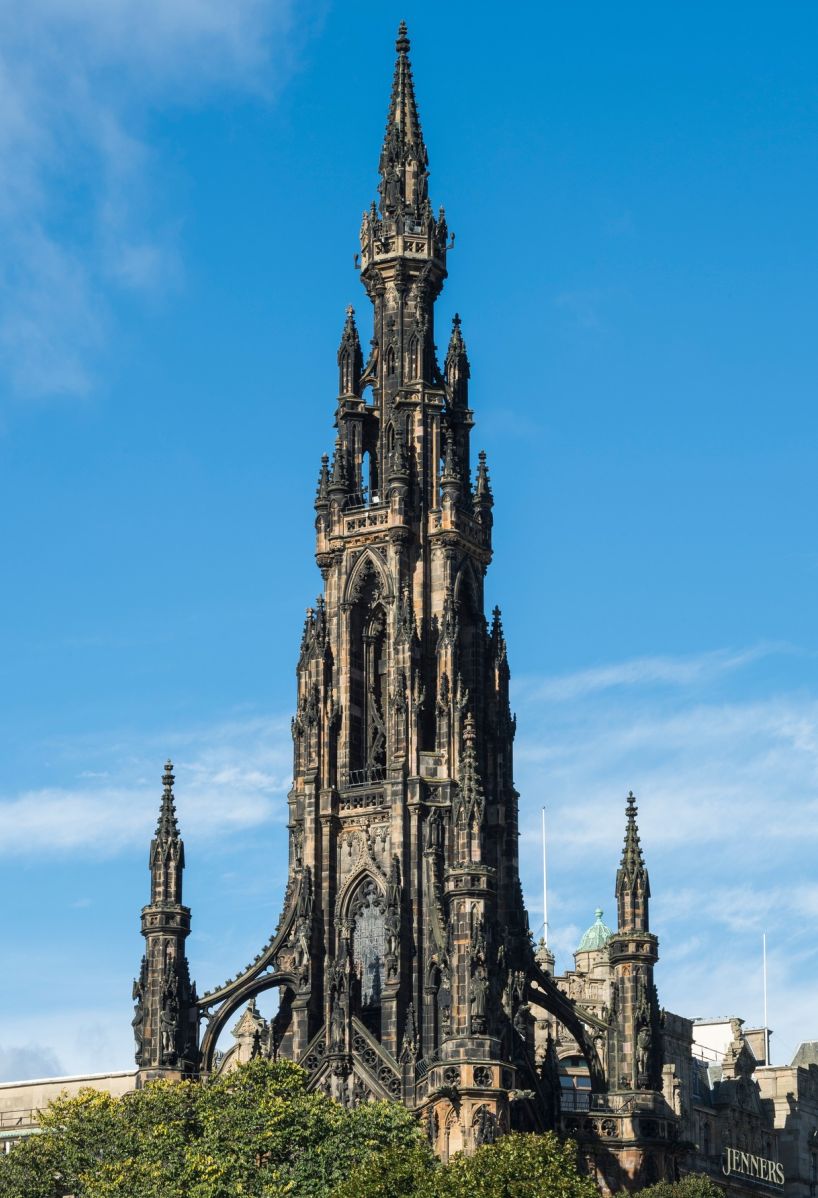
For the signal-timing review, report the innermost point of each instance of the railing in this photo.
(361, 798)
(581, 1101)
(15, 1119)
(365, 777)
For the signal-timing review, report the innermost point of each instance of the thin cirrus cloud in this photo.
(230, 777)
(78, 81)
(644, 671)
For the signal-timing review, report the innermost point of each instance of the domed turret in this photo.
(597, 935)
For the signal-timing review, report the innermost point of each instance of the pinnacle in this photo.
(402, 40)
(167, 828)
(632, 859)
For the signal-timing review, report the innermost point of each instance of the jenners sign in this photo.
(746, 1164)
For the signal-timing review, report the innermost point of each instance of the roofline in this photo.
(77, 1077)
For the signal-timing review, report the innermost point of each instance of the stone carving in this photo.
(484, 1126)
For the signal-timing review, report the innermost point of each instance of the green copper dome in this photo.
(597, 935)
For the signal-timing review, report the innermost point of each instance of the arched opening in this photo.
(471, 623)
(367, 684)
(390, 361)
(413, 359)
(346, 372)
(243, 1026)
(367, 909)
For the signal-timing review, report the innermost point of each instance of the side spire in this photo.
(350, 358)
(165, 1022)
(632, 882)
(167, 827)
(456, 367)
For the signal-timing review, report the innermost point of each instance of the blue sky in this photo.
(633, 193)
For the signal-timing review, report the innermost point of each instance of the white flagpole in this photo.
(766, 1025)
(544, 883)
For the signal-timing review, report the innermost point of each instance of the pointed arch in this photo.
(345, 364)
(366, 869)
(413, 359)
(467, 588)
(390, 361)
(369, 564)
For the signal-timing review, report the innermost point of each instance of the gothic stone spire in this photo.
(403, 157)
(165, 1017)
(632, 884)
(350, 358)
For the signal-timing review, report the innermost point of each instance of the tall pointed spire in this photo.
(167, 828)
(632, 883)
(403, 157)
(167, 853)
(165, 1019)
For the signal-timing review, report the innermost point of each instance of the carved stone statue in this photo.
(479, 997)
(644, 1041)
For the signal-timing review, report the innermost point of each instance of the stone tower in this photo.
(403, 812)
(403, 949)
(634, 1056)
(165, 1021)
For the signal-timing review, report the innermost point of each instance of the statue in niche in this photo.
(479, 997)
(484, 1126)
(168, 1025)
(138, 1021)
(434, 830)
(644, 1042)
(337, 1022)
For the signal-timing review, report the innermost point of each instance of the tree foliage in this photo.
(695, 1185)
(260, 1133)
(516, 1166)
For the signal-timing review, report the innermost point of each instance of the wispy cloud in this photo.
(81, 211)
(230, 777)
(643, 671)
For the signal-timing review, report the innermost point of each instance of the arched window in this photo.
(368, 911)
(368, 661)
(346, 372)
(413, 359)
(390, 361)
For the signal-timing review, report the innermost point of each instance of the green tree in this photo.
(695, 1185)
(359, 1137)
(392, 1173)
(254, 1133)
(516, 1166)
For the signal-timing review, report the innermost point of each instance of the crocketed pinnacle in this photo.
(403, 141)
(323, 481)
(471, 788)
(403, 109)
(451, 466)
(457, 346)
(338, 476)
(482, 489)
(167, 828)
(350, 358)
(632, 872)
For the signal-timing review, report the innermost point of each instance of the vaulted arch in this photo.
(238, 998)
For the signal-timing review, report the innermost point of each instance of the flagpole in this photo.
(544, 882)
(764, 978)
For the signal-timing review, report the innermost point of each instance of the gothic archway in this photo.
(218, 1018)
